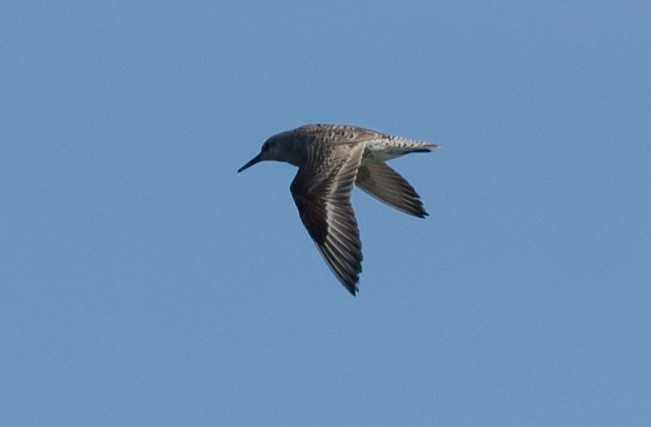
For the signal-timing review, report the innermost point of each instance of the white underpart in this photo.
(381, 150)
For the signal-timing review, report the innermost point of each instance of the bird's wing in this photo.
(386, 185)
(321, 190)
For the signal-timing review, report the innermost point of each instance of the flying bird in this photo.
(330, 159)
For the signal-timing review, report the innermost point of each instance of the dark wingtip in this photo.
(353, 289)
(418, 213)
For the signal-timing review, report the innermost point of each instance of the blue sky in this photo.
(144, 282)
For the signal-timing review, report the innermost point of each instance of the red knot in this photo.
(330, 159)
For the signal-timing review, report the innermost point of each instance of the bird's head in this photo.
(275, 148)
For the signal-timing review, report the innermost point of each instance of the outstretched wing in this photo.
(321, 190)
(385, 184)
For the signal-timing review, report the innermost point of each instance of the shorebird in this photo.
(330, 159)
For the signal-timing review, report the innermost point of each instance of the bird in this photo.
(331, 159)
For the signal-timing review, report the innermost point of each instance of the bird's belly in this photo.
(378, 153)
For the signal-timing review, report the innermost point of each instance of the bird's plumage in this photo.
(330, 159)
(385, 184)
(322, 196)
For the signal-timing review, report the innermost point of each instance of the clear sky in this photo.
(144, 282)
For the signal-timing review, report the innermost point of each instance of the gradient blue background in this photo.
(144, 282)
